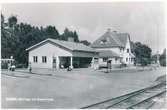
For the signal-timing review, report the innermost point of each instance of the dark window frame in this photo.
(127, 50)
(44, 59)
(127, 59)
(105, 59)
(35, 59)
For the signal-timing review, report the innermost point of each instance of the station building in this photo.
(52, 53)
(111, 46)
(114, 46)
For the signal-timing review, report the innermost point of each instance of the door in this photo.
(54, 62)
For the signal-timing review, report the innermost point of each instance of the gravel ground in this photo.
(160, 103)
(74, 89)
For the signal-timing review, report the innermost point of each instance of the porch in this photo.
(71, 61)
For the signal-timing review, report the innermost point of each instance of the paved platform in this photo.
(73, 89)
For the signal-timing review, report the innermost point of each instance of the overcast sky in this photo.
(144, 21)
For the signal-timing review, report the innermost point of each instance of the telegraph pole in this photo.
(157, 44)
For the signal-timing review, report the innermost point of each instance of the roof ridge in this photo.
(66, 44)
(66, 41)
(102, 36)
(108, 53)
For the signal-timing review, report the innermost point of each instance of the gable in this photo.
(113, 39)
(72, 46)
(44, 43)
(50, 49)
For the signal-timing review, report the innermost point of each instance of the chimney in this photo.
(70, 39)
(108, 30)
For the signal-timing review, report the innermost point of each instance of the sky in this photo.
(144, 21)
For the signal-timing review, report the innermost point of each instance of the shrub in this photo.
(4, 65)
(21, 65)
(163, 62)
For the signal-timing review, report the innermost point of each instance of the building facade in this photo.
(115, 47)
(111, 47)
(52, 53)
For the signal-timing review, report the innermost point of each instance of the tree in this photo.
(67, 33)
(75, 35)
(132, 45)
(12, 21)
(16, 37)
(52, 32)
(2, 22)
(7, 39)
(162, 58)
(142, 53)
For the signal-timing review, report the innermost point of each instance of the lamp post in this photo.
(157, 44)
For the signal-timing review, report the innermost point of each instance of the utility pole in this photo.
(157, 44)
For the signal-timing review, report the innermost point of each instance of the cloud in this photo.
(91, 20)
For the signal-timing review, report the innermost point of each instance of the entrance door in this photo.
(54, 62)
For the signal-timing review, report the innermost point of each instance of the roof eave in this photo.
(87, 51)
(40, 43)
(107, 46)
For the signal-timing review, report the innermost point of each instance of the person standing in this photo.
(9, 65)
(30, 68)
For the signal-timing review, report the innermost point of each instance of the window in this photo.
(131, 59)
(35, 59)
(105, 59)
(121, 60)
(126, 59)
(54, 60)
(44, 59)
(108, 39)
(127, 50)
(120, 49)
(103, 41)
(116, 59)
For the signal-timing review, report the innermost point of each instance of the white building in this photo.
(111, 46)
(115, 47)
(52, 53)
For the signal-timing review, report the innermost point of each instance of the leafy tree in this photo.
(12, 21)
(142, 53)
(67, 33)
(75, 35)
(51, 31)
(7, 36)
(132, 45)
(2, 22)
(16, 37)
(162, 58)
(154, 58)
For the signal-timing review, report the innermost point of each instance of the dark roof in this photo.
(112, 39)
(73, 46)
(108, 54)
